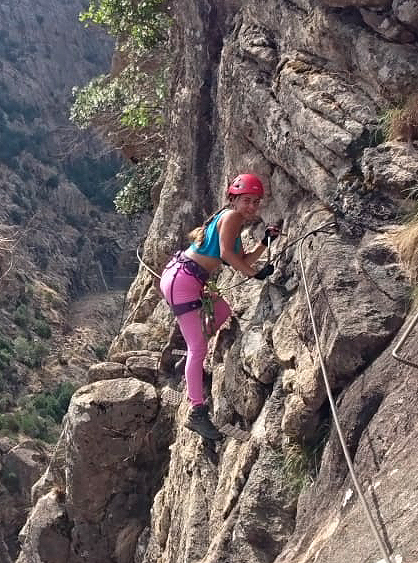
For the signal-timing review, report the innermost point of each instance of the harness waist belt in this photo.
(182, 308)
(192, 267)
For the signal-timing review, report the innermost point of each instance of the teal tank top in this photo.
(210, 245)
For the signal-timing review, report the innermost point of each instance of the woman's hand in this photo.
(264, 272)
(272, 232)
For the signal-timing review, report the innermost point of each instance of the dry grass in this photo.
(405, 241)
(401, 124)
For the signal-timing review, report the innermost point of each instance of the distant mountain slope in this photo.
(66, 243)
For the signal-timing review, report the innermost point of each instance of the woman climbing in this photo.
(217, 241)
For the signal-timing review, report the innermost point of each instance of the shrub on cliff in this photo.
(127, 108)
(39, 415)
(42, 328)
(144, 23)
(138, 181)
(29, 353)
(401, 123)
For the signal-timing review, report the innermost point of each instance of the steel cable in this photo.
(366, 508)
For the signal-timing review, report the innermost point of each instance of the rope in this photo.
(123, 311)
(366, 508)
(145, 266)
(322, 229)
(401, 342)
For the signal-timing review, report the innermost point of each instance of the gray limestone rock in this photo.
(359, 297)
(26, 461)
(406, 11)
(381, 4)
(388, 26)
(105, 370)
(143, 367)
(46, 536)
(390, 166)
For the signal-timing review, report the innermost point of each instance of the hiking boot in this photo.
(199, 421)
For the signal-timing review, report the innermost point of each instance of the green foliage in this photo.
(144, 22)
(6, 401)
(33, 425)
(133, 98)
(101, 351)
(15, 141)
(5, 358)
(401, 122)
(135, 196)
(5, 344)
(42, 328)
(297, 467)
(21, 316)
(386, 121)
(300, 462)
(53, 405)
(39, 415)
(31, 353)
(9, 423)
(95, 178)
(128, 109)
(6, 352)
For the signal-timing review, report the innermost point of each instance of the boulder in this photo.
(105, 370)
(103, 424)
(46, 536)
(121, 357)
(26, 461)
(387, 26)
(357, 315)
(406, 11)
(143, 367)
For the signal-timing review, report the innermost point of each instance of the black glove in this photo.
(264, 272)
(272, 232)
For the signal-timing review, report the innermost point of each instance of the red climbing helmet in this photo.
(246, 184)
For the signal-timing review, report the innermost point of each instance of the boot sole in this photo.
(207, 436)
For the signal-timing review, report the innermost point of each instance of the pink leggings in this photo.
(187, 288)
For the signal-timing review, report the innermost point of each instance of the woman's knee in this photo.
(197, 353)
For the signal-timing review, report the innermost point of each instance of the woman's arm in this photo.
(229, 230)
(251, 257)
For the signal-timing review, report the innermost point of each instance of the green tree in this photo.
(145, 22)
(127, 109)
(135, 196)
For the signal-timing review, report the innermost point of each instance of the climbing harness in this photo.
(395, 352)
(366, 508)
(207, 312)
(192, 305)
(192, 268)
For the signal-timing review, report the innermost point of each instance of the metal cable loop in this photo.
(401, 342)
(370, 519)
(145, 266)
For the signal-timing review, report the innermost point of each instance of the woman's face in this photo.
(247, 205)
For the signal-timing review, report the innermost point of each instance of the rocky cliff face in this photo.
(293, 91)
